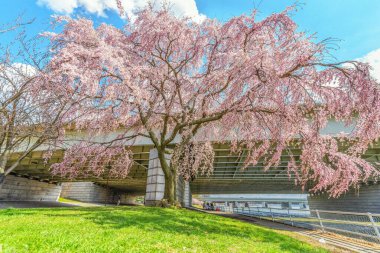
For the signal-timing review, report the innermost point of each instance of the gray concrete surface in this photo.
(24, 189)
(32, 204)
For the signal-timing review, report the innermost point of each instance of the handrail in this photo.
(365, 225)
(311, 210)
(341, 212)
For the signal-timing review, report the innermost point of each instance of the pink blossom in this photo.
(258, 84)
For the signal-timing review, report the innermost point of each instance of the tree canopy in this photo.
(260, 84)
(30, 115)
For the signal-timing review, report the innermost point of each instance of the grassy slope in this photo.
(135, 229)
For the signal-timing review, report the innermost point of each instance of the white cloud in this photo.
(65, 6)
(180, 8)
(373, 59)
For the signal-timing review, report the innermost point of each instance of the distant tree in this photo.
(260, 85)
(16, 24)
(29, 116)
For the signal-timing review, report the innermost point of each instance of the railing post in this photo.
(374, 225)
(270, 210)
(290, 217)
(320, 221)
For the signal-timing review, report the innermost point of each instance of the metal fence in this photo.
(358, 225)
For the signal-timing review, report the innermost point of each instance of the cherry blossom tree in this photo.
(260, 85)
(30, 117)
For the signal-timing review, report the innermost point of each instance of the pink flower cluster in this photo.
(261, 85)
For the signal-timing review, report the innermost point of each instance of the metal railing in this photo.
(358, 225)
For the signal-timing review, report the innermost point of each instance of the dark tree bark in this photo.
(2, 178)
(170, 188)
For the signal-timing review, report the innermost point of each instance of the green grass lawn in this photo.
(135, 229)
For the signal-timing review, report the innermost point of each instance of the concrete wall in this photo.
(93, 193)
(87, 192)
(24, 189)
(127, 199)
(367, 199)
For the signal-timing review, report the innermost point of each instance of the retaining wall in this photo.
(24, 189)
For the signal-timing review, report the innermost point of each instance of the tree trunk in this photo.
(3, 163)
(170, 177)
(170, 188)
(2, 178)
(2, 170)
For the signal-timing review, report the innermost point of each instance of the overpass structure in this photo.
(32, 179)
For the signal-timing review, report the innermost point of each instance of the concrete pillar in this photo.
(180, 190)
(155, 184)
(187, 195)
(24, 189)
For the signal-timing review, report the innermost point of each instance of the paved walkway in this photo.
(32, 204)
(343, 242)
(259, 222)
(338, 242)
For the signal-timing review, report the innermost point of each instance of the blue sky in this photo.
(356, 23)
